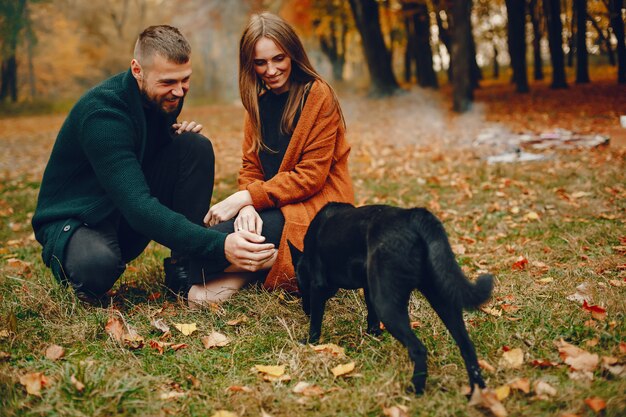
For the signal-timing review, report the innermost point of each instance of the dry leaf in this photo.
(597, 312)
(531, 216)
(215, 339)
(186, 328)
(543, 363)
(132, 340)
(275, 371)
(543, 389)
(396, 411)
(34, 382)
(578, 359)
(115, 329)
(521, 384)
(239, 388)
(519, 264)
(491, 311)
(502, 392)
(513, 359)
(488, 399)
(4, 356)
(55, 352)
(178, 346)
(224, 413)
(160, 325)
(597, 404)
(21, 267)
(77, 384)
(581, 295)
(486, 366)
(343, 369)
(330, 348)
(158, 346)
(171, 395)
(308, 390)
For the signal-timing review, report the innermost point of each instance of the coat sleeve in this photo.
(312, 167)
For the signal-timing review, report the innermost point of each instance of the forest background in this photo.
(502, 117)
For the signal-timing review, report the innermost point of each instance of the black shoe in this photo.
(176, 276)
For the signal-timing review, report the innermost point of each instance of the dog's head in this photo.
(302, 276)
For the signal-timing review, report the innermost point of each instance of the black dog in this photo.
(388, 251)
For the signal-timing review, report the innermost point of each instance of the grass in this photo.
(579, 201)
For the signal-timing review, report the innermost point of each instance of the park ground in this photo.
(552, 231)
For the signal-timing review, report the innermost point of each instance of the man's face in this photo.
(163, 83)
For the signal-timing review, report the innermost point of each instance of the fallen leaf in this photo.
(160, 325)
(343, 369)
(4, 356)
(55, 352)
(186, 328)
(77, 384)
(616, 283)
(21, 267)
(330, 348)
(578, 359)
(486, 366)
(513, 359)
(215, 339)
(581, 295)
(491, 311)
(224, 413)
(531, 216)
(521, 384)
(115, 329)
(396, 411)
(488, 399)
(171, 395)
(597, 404)
(178, 346)
(34, 382)
(597, 312)
(132, 340)
(276, 371)
(235, 322)
(509, 308)
(543, 363)
(502, 392)
(307, 389)
(158, 346)
(4, 334)
(239, 388)
(519, 264)
(545, 280)
(543, 390)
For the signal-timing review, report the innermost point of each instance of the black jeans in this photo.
(181, 176)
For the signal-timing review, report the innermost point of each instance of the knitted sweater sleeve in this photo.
(108, 142)
(313, 165)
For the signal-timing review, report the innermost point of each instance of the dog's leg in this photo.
(452, 317)
(373, 322)
(318, 304)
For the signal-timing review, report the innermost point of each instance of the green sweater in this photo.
(95, 169)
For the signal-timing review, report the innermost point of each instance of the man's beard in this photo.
(157, 106)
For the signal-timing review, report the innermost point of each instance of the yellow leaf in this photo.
(235, 322)
(502, 392)
(486, 398)
(522, 384)
(34, 382)
(531, 216)
(271, 370)
(186, 328)
(344, 369)
(215, 339)
(330, 348)
(512, 359)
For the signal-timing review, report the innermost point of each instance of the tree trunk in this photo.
(582, 59)
(605, 39)
(426, 76)
(536, 24)
(334, 48)
(376, 54)
(571, 36)
(461, 74)
(516, 31)
(496, 65)
(444, 34)
(475, 72)
(615, 9)
(552, 10)
(409, 56)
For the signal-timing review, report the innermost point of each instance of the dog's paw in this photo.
(375, 331)
(419, 383)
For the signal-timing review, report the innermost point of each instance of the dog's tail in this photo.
(449, 277)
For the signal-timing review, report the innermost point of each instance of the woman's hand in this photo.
(248, 219)
(227, 209)
(186, 126)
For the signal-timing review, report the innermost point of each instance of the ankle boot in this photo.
(176, 275)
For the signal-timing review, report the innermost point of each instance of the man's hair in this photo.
(164, 40)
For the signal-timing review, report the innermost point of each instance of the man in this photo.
(122, 173)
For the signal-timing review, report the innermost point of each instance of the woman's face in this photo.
(272, 65)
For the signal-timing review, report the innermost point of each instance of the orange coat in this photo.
(313, 172)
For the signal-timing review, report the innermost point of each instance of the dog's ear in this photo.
(296, 254)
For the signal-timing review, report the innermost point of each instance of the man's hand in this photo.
(227, 209)
(186, 126)
(248, 219)
(247, 252)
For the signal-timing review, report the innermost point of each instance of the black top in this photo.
(271, 108)
(158, 135)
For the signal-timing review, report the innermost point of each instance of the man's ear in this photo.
(136, 70)
(295, 253)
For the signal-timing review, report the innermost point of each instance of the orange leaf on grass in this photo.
(519, 264)
(55, 352)
(597, 404)
(34, 382)
(597, 312)
(543, 363)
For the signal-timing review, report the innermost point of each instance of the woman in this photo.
(295, 156)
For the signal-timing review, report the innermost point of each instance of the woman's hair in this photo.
(302, 75)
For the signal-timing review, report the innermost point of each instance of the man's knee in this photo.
(92, 267)
(195, 145)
